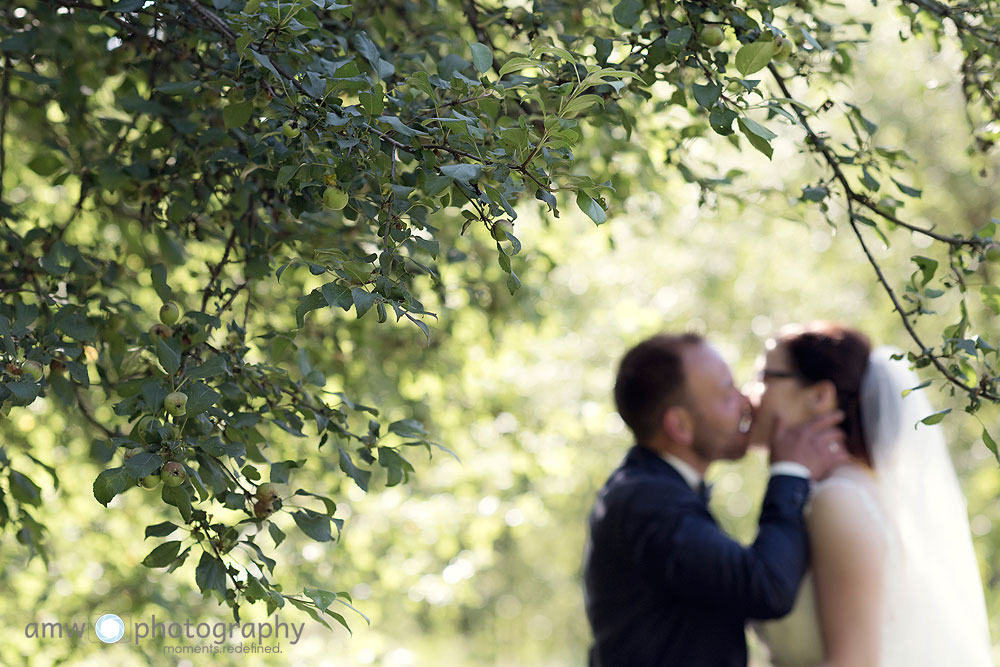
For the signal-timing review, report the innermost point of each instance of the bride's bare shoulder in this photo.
(846, 502)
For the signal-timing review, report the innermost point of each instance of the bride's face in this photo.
(781, 394)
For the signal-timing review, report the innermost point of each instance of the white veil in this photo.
(936, 612)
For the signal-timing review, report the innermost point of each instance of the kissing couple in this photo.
(863, 555)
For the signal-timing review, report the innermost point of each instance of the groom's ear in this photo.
(678, 424)
(824, 396)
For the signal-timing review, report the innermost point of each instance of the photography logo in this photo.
(109, 628)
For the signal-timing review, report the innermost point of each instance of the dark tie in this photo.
(704, 492)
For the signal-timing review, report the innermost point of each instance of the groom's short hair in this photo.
(651, 379)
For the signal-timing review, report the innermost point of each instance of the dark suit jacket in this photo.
(665, 586)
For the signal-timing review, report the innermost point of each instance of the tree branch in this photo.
(924, 350)
(848, 190)
(218, 268)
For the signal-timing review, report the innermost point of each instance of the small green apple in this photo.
(141, 428)
(175, 403)
(335, 198)
(169, 313)
(290, 129)
(173, 474)
(712, 35)
(161, 330)
(263, 509)
(993, 253)
(782, 49)
(266, 491)
(32, 369)
(150, 481)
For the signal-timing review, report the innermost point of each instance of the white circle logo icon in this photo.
(110, 628)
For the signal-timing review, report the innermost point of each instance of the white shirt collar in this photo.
(689, 474)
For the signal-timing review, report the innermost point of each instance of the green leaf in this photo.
(907, 190)
(126, 5)
(45, 164)
(363, 300)
(142, 464)
(178, 87)
(579, 105)
(24, 392)
(161, 529)
(313, 524)
(755, 139)
(516, 65)
(159, 274)
(373, 102)
(276, 534)
(990, 295)
(721, 120)
(331, 507)
(360, 477)
(754, 57)
(756, 128)
(265, 62)
(927, 267)
(170, 358)
(179, 498)
(237, 114)
(338, 295)
(162, 555)
(707, 94)
(200, 398)
(311, 610)
(6, 335)
(462, 172)
(869, 181)
(482, 57)
(590, 207)
(110, 483)
(991, 445)
(285, 174)
(322, 599)
(23, 489)
(210, 574)
(215, 366)
(814, 193)
(626, 12)
(307, 303)
(935, 418)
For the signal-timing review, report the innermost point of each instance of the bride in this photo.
(894, 580)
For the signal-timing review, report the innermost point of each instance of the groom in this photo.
(664, 585)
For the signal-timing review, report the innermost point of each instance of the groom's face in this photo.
(720, 411)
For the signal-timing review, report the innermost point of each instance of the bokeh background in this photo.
(477, 561)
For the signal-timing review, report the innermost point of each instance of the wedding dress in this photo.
(934, 612)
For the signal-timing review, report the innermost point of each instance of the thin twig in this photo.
(218, 268)
(89, 416)
(848, 190)
(924, 350)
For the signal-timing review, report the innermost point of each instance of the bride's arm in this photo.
(848, 550)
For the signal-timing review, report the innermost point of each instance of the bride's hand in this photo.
(818, 444)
